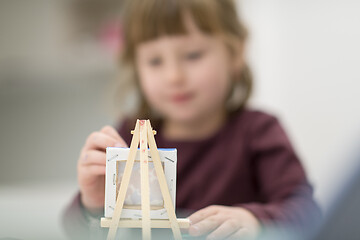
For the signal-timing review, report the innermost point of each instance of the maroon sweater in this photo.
(249, 163)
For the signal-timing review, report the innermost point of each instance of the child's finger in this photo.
(93, 157)
(205, 226)
(95, 169)
(226, 229)
(99, 140)
(113, 133)
(203, 213)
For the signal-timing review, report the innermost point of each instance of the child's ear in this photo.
(238, 58)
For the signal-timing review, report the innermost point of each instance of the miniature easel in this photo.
(144, 135)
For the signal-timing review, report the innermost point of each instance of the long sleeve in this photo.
(286, 196)
(78, 224)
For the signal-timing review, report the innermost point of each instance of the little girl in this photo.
(237, 170)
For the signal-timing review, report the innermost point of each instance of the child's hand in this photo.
(92, 164)
(221, 222)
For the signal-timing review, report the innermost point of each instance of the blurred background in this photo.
(58, 66)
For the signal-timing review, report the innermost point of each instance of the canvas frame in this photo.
(114, 155)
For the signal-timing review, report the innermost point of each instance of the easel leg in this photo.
(145, 192)
(124, 184)
(162, 182)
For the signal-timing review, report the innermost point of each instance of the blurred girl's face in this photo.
(185, 78)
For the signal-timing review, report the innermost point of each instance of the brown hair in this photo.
(150, 19)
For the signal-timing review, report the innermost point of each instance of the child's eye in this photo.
(155, 62)
(194, 55)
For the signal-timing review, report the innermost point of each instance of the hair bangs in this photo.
(151, 19)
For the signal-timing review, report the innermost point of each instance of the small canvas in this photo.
(115, 164)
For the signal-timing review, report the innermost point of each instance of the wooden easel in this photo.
(144, 135)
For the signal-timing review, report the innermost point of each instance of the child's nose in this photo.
(174, 73)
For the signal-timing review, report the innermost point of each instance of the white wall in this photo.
(305, 57)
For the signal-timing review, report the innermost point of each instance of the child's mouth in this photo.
(181, 98)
